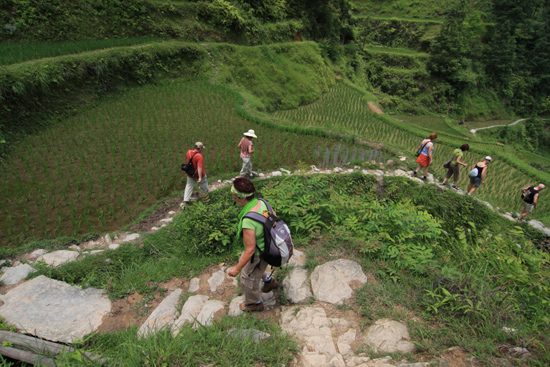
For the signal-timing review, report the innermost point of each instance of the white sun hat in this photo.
(250, 133)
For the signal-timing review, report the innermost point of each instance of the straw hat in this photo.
(199, 145)
(250, 133)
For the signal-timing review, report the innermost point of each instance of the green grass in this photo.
(397, 51)
(407, 19)
(14, 53)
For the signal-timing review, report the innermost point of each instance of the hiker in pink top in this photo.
(246, 150)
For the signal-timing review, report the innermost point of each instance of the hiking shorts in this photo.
(475, 181)
(528, 207)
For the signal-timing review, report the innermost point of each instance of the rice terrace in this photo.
(101, 101)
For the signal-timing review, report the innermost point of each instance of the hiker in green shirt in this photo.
(251, 266)
(453, 166)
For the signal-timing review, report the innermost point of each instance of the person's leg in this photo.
(527, 208)
(426, 171)
(189, 188)
(447, 176)
(251, 275)
(203, 186)
(246, 168)
(456, 174)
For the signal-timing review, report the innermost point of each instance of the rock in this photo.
(216, 280)
(508, 330)
(262, 175)
(285, 171)
(345, 341)
(193, 285)
(400, 172)
(276, 173)
(402, 158)
(131, 237)
(379, 172)
(107, 239)
(114, 246)
(356, 361)
(189, 311)
(38, 252)
(93, 252)
(518, 351)
(298, 258)
(74, 248)
(163, 316)
(390, 163)
(268, 299)
(57, 258)
(154, 229)
(234, 306)
(16, 274)
(337, 170)
(312, 326)
(349, 170)
(171, 213)
(389, 336)
(167, 220)
(330, 281)
(256, 335)
(208, 312)
(296, 286)
(54, 310)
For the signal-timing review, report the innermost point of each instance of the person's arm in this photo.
(483, 174)
(199, 170)
(535, 198)
(240, 143)
(459, 159)
(250, 149)
(249, 236)
(430, 152)
(199, 164)
(525, 188)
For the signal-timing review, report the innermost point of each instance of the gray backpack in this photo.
(278, 245)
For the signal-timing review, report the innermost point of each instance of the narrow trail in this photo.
(473, 131)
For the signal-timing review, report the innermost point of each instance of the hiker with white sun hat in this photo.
(247, 149)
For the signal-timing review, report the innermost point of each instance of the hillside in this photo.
(100, 100)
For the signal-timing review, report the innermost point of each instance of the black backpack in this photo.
(188, 167)
(278, 245)
(526, 194)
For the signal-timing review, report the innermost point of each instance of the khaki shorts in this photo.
(528, 207)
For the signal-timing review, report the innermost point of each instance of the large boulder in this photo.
(331, 282)
(16, 274)
(163, 316)
(296, 286)
(54, 310)
(389, 336)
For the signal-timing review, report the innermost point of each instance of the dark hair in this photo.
(244, 185)
(465, 147)
(432, 136)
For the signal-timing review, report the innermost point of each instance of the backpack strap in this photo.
(259, 218)
(191, 159)
(269, 208)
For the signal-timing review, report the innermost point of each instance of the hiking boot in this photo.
(424, 178)
(268, 286)
(414, 174)
(454, 187)
(252, 307)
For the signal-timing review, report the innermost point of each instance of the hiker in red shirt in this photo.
(199, 176)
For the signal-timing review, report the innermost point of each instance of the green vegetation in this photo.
(92, 133)
(14, 53)
(448, 277)
(98, 170)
